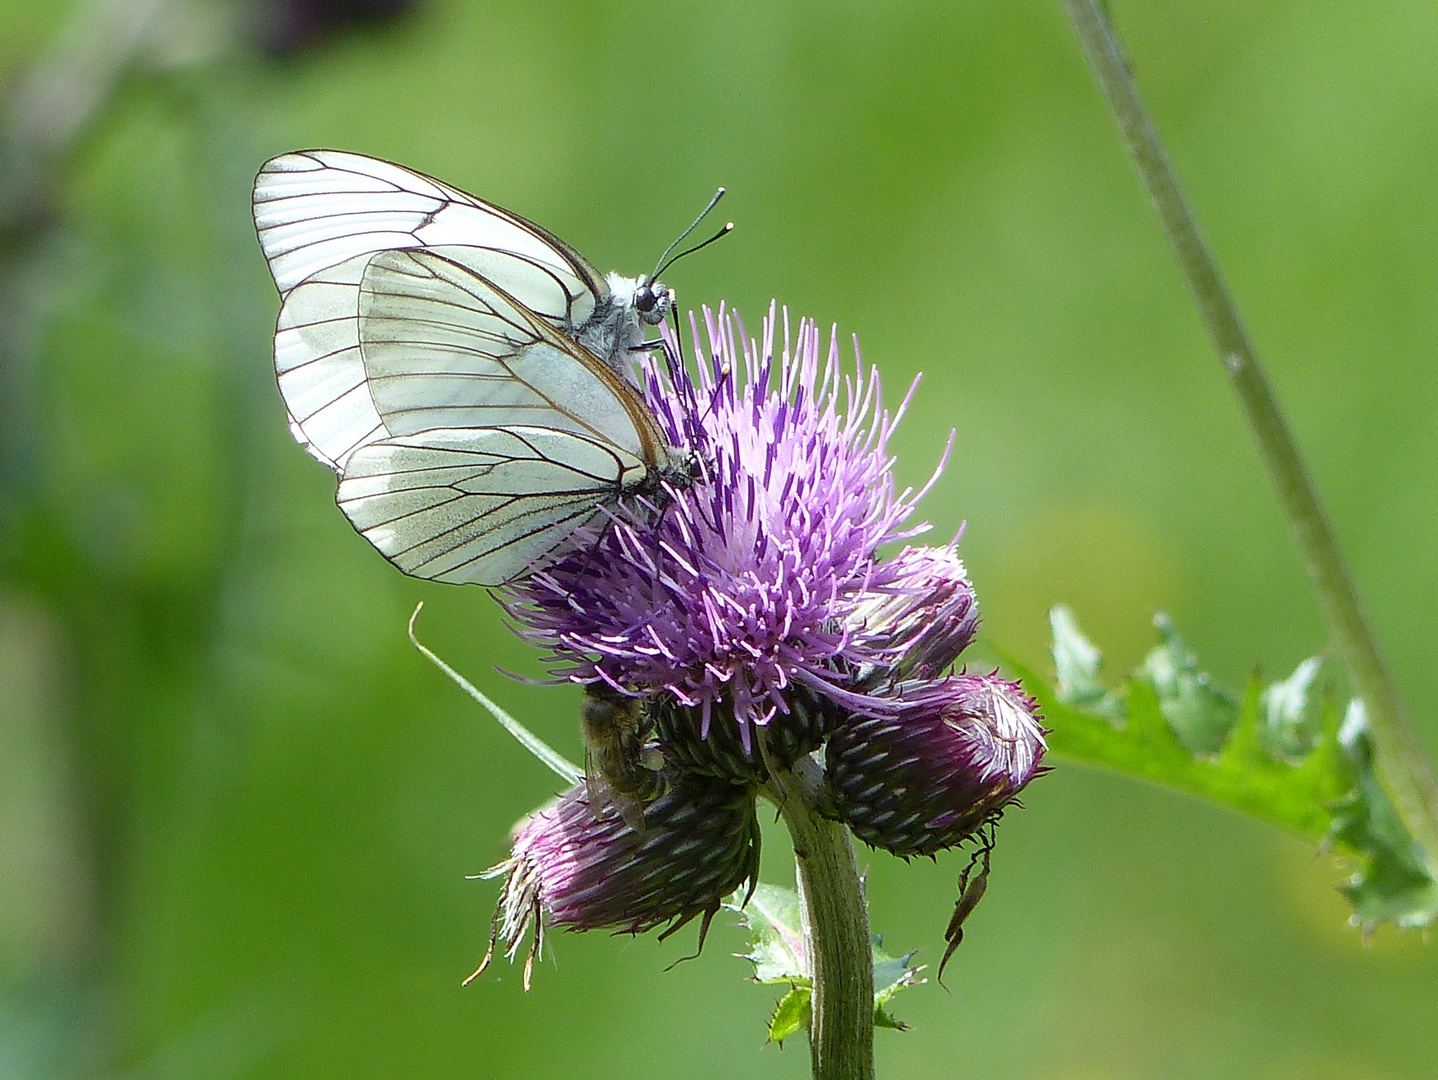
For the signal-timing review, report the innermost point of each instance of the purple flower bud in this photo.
(573, 868)
(956, 751)
(923, 619)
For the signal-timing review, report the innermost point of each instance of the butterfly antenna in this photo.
(665, 262)
(725, 231)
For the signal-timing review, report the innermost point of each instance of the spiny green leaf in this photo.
(1291, 727)
(774, 922)
(1276, 752)
(773, 918)
(892, 974)
(791, 1015)
(1392, 883)
(1077, 661)
(883, 1020)
(1200, 714)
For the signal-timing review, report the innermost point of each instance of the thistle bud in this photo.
(921, 619)
(584, 869)
(955, 752)
(732, 752)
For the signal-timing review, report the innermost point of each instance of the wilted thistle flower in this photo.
(750, 617)
(925, 778)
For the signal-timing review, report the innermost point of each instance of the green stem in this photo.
(836, 933)
(1403, 768)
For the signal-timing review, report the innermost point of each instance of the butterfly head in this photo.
(653, 300)
(632, 304)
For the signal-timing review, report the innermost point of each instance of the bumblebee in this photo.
(621, 766)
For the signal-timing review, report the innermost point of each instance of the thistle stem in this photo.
(1402, 767)
(836, 933)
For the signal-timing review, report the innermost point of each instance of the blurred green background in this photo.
(236, 807)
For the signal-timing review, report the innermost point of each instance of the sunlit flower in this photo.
(750, 616)
(764, 574)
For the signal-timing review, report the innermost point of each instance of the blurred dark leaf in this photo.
(289, 27)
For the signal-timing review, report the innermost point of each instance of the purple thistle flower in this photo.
(750, 619)
(582, 870)
(957, 751)
(763, 575)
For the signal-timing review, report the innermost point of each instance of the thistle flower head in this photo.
(924, 779)
(748, 615)
(583, 867)
(922, 621)
(763, 574)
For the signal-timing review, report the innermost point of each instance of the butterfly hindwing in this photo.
(478, 505)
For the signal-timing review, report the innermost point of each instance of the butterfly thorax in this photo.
(616, 326)
(680, 470)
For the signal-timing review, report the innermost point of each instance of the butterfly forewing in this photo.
(319, 208)
(443, 347)
(319, 366)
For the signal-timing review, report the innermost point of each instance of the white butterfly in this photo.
(465, 371)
